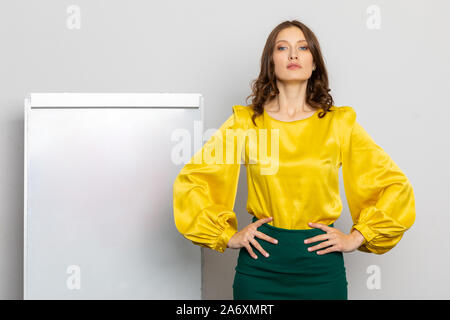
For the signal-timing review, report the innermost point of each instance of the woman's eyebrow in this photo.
(287, 41)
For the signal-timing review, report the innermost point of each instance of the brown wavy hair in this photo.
(264, 87)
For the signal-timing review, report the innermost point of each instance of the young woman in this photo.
(293, 193)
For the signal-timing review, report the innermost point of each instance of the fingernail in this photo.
(275, 241)
(267, 255)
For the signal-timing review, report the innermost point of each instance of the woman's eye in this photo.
(305, 48)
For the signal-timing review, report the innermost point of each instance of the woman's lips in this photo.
(293, 67)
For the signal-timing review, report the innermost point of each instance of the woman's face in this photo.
(291, 46)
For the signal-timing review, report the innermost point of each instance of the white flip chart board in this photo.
(98, 216)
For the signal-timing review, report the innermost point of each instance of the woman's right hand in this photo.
(247, 235)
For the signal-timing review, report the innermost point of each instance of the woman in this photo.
(293, 194)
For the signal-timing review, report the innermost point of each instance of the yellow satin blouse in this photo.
(292, 175)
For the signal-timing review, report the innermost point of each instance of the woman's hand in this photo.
(246, 236)
(335, 240)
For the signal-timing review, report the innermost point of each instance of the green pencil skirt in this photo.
(290, 271)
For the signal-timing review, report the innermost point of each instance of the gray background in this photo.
(395, 77)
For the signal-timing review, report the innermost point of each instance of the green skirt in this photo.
(290, 271)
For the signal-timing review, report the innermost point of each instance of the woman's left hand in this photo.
(335, 240)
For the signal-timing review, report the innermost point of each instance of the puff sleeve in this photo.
(379, 194)
(205, 189)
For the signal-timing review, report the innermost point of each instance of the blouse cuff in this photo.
(365, 230)
(224, 238)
